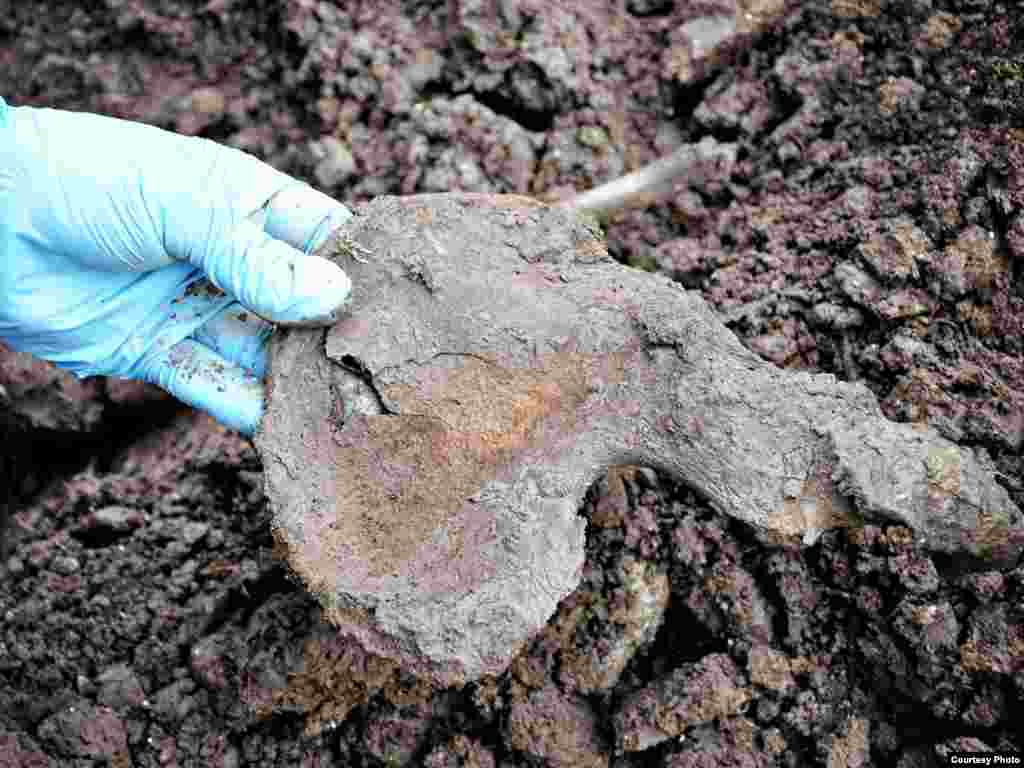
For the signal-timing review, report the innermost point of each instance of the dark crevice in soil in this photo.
(60, 453)
(680, 640)
(686, 99)
(42, 456)
(221, 131)
(538, 121)
(438, 89)
(241, 601)
(787, 104)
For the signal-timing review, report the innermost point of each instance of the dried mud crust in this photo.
(426, 456)
(877, 145)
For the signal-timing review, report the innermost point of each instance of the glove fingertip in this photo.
(322, 289)
(302, 216)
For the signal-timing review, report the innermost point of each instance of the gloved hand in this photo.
(130, 251)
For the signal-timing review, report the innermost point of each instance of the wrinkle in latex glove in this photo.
(134, 252)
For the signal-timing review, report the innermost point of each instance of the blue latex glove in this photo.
(130, 251)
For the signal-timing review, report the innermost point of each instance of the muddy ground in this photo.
(871, 226)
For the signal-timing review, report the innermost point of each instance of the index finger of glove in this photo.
(301, 216)
(271, 278)
(258, 248)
